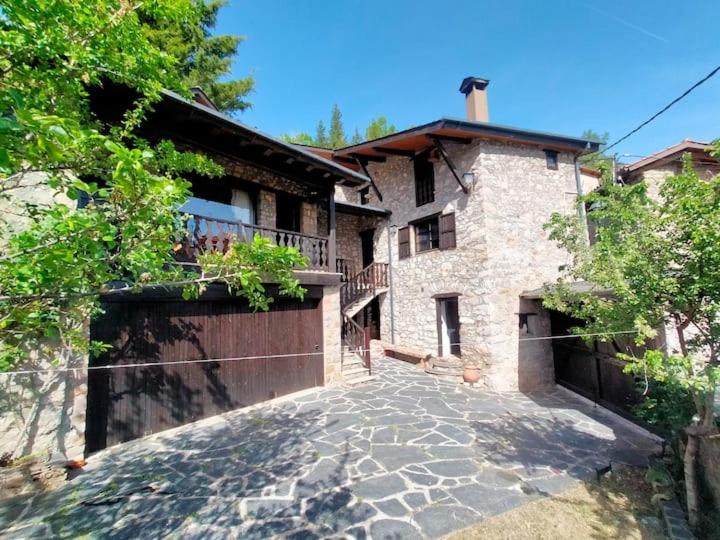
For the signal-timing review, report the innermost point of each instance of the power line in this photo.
(265, 356)
(664, 109)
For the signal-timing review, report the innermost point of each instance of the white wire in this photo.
(267, 356)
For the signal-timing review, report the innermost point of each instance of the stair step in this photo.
(444, 372)
(446, 362)
(360, 380)
(354, 371)
(353, 361)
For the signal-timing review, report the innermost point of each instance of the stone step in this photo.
(453, 374)
(447, 362)
(360, 380)
(354, 371)
(439, 370)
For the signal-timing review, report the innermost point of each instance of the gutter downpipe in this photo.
(581, 207)
(390, 284)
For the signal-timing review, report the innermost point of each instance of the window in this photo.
(404, 242)
(434, 232)
(427, 234)
(364, 195)
(237, 205)
(551, 159)
(424, 181)
(288, 208)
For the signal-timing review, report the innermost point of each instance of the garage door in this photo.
(128, 402)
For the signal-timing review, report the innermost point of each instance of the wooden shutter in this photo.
(404, 243)
(447, 231)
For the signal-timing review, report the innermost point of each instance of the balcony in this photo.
(214, 234)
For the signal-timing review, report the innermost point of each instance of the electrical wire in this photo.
(265, 356)
(664, 109)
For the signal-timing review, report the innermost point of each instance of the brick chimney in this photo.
(476, 103)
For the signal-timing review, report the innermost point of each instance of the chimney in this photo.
(476, 98)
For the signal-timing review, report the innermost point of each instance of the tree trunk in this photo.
(691, 487)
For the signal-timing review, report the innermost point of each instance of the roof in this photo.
(589, 171)
(255, 137)
(576, 287)
(669, 154)
(360, 209)
(411, 141)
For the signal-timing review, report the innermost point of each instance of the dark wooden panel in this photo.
(129, 402)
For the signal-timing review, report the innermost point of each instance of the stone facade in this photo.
(332, 334)
(502, 250)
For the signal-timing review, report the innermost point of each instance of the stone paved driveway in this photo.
(404, 456)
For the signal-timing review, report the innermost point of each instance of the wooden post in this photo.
(332, 247)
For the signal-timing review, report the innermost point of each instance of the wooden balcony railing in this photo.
(374, 276)
(357, 340)
(346, 267)
(212, 234)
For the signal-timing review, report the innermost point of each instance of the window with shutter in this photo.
(404, 243)
(447, 231)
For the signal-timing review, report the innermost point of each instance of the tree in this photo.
(205, 60)
(356, 138)
(298, 138)
(379, 127)
(55, 262)
(337, 137)
(661, 259)
(596, 160)
(321, 138)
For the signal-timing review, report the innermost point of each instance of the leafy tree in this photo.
(55, 261)
(321, 138)
(596, 160)
(379, 127)
(661, 259)
(205, 59)
(337, 137)
(299, 138)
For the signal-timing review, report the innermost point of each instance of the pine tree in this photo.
(205, 60)
(356, 138)
(321, 138)
(337, 133)
(379, 127)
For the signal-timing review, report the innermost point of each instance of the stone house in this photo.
(269, 188)
(467, 201)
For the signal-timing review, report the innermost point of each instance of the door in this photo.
(366, 239)
(448, 326)
(164, 337)
(288, 209)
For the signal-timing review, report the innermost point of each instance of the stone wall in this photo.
(502, 250)
(332, 334)
(43, 414)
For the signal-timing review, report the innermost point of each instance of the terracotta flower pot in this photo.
(471, 374)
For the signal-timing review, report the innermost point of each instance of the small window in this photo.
(427, 234)
(424, 182)
(404, 243)
(364, 195)
(551, 159)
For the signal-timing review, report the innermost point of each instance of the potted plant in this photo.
(471, 373)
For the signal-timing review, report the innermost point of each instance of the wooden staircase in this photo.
(355, 293)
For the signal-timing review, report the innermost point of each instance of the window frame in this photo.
(424, 181)
(552, 160)
(434, 218)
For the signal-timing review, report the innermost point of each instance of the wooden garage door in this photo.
(129, 402)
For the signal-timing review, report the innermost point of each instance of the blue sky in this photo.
(559, 66)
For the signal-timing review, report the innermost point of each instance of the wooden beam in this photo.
(394, 151)
(450, 138)
(363, 166)
(379, 159)
(449, 163)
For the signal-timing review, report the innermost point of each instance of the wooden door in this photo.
(281, 351)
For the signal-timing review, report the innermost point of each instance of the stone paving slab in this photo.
(403, 456)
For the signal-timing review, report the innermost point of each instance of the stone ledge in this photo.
(673, 517)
